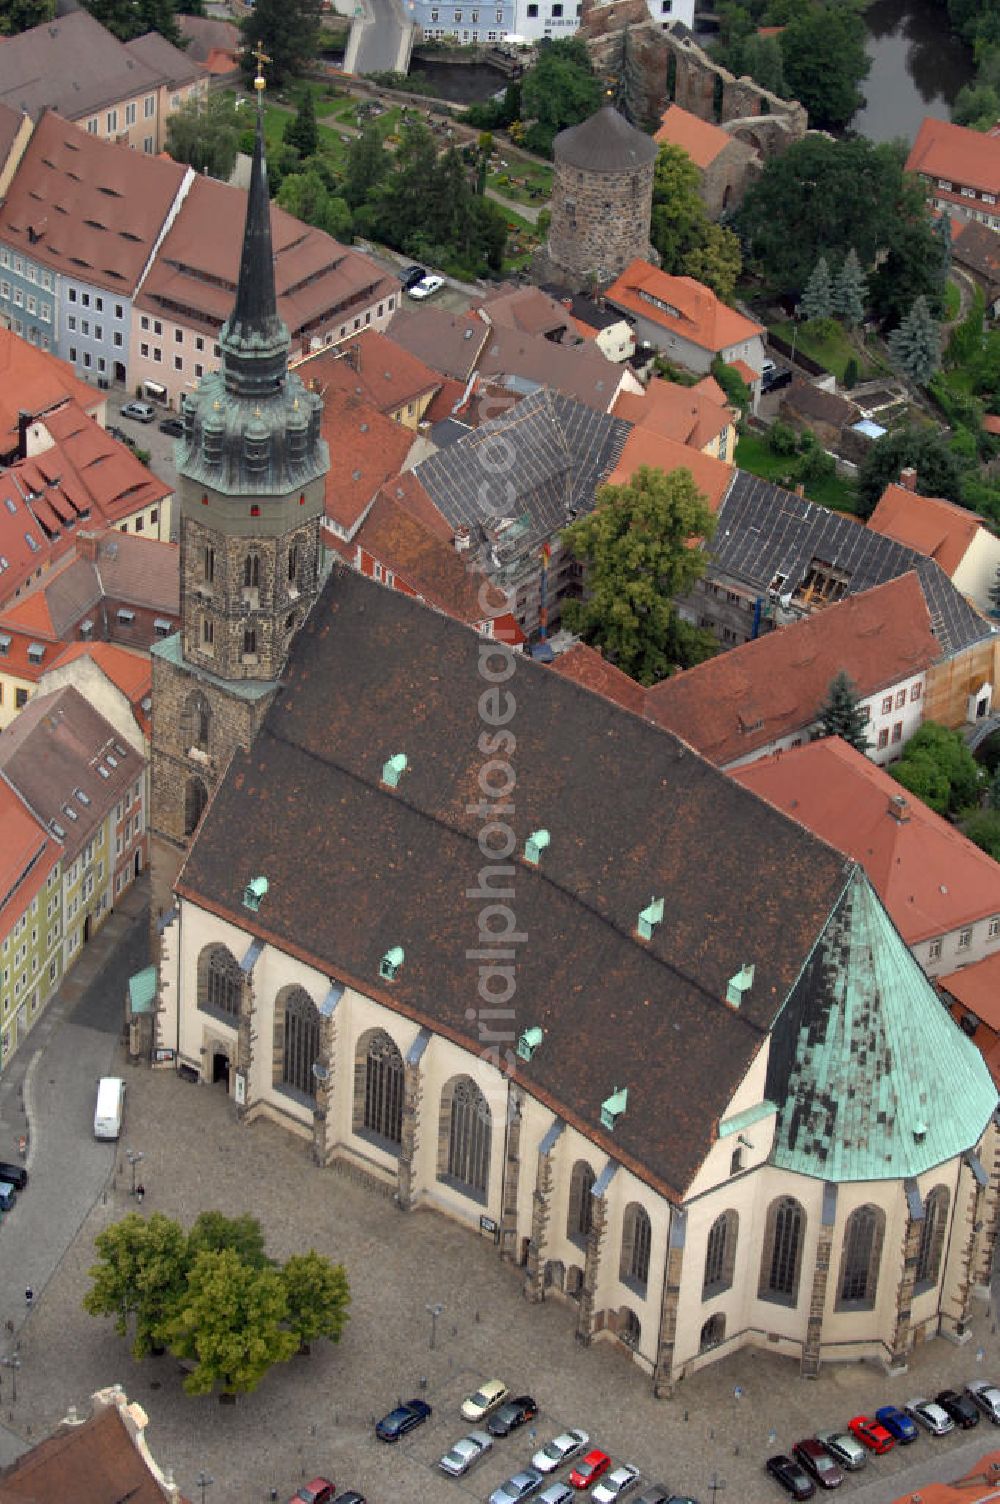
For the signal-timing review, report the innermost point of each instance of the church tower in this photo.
(250, 471)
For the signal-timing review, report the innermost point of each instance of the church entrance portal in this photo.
(220, 1069)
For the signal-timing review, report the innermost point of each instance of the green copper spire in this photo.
(254, 341)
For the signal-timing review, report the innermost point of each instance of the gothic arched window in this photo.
(637, 1236)
(720, 1255)
(781, 1260)
(932, 1236)
(467, 1135)
(378, 1094)
(580, 1214)
(300, 1042)
(861, 1257)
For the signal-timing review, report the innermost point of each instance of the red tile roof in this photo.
(957, 155)
(692, 310)
(89, 209)
(977, 1486)
(528, 310)
(677, 412)
(407, 491)
(644, 447)
(749, 375)
(366, 449)
(128, 671)
(991, 423)
(699, 138)
(86, 463)
(32, 380)
(90, 1463)
(977, 987)
(752, 695)
(373, 367)
(930, 878)
(27, 855)
(710, 388)
(586, 666)
(937, 528)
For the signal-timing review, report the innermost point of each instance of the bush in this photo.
(851, 373)
(781, 438)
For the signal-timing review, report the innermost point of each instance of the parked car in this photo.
(560, 1449)
(844, 1449)
(465, 1453)
(615, 1485)
(139, 412)
(425, 288)
(172, 426)
(351, 1497)
(961, 1409)
(319, 1491)
(15, 1175)
(486, 1398)
(774, 377)
(521, 1486)
(511, 1415)
(871, 1433)
(930, 1415)
(412, 275)
(590, 1468)
(656, 1494)
(981, 1391)
(817, 1462)
(556, 1493)
(403, 1419)
(790, 1476)
(900, 1426)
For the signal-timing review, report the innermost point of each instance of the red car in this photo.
(319, 1491)
(871, 1434)
(589, 1469)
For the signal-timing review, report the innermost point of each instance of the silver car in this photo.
(987, 1397)
(843, 1448)
(559, 1450)
(465, 1453)
(616, 1484)
(521, 1486)
(932, 1416)
(556, 1493)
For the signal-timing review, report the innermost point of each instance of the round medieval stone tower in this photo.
(602, 198)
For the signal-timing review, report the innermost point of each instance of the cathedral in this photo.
(525, 958)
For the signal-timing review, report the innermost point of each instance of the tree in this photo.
(317, 1294)
(141, 1274)
(231, 1323)
(850, 291)
(763, 61)
(637, 547)
(22, 15)
(977, 105)
(817, 299)
(824, 58)
(924, 450)
(983, 829)
(301, 132)
(560, 90)
(737, 392)
(305, 195)
(841, 714)
(937, 765)
(368, 164)
(126, 19)
(916, 345)
(212, 1232)
(913, 267)
(717, 261)
(288, 31)
(205, 133)
(942, 234)
(689, 244)
(924, 777)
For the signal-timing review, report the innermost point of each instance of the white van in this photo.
(110, 1107)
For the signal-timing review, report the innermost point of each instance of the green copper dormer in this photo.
(873, 1078)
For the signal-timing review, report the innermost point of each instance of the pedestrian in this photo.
(140, 1192)
(29, 1296)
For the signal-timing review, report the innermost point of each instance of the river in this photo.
(917, 68)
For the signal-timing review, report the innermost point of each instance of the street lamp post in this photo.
(434, 1312)
(13, 1364)
(204, 1480)
(134, 1157)
(716, 1485)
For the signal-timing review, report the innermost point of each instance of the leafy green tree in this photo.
(737, 392)
(717, 261)
(126, 19)
(22, 15)
(288, 31)
(141, 1274)
(782, 439)
(560, 90)
(637, 548)
(305, 195)
(231, 1323)
(301, 131)
(924, 777)
(913, 268)
(841, 715)
(916, 345)
(368, 164)
(318, 1295)
(925, 450)
(850, 291)
(764, 61)
(823, 51)
(961, 775)
(689, 244)
(817, 299)
(205, 133)
(977, 105)
(212, 1232)
(983, 829)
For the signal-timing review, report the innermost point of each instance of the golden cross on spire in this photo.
(261, 58)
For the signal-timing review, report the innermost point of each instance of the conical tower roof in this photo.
(604, 143)
(873, 1078)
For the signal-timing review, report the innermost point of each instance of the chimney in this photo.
(86, 546)
(353, 357)
(461, 540)
(899, 809)
(23, 424)
(800, 489)
(908, 478)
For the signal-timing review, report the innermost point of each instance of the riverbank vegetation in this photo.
(977, 22)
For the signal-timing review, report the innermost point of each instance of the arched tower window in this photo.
(293, 563)
(251, 572)
(466, 1137)
(195, 799)
(580, 1214)
(781, 1260)
(208, 564)
(196, 721)
(932, 1237)
(249, 642)
(720, 1255)
(636, 1240)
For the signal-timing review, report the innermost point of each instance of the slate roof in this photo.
(977, 247)
(525, 362)
(863, 1056)
(764, 530)
(538, 465)
(354, 869)
(450, 342)
(604, 142)
(173, 66)
(72, 65)
(809, 400)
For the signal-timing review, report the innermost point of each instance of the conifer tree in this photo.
(850, 292)
(841, 714)
(817, 300)
(301, 132)
(942, 230)
(916, 345)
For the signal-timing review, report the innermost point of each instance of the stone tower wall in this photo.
(600, 221)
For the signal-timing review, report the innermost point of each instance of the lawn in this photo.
(519, 233)
(832, 346)
(952, 301)
(523, 182)
(753, 454)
